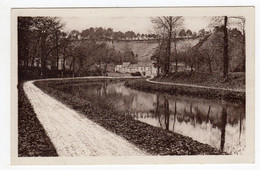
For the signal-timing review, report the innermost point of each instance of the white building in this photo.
(146, 69)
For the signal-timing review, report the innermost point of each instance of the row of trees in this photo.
(222, 41)
(43, 43)
(103, 33)
(189, 33)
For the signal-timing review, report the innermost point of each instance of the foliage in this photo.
(167, 27)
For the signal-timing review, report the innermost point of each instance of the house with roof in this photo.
(146, 69)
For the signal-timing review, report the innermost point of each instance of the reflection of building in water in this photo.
(122, 90)
(118, 89)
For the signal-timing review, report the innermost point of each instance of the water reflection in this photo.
(217, 123)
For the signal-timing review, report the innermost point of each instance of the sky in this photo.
(136, 24)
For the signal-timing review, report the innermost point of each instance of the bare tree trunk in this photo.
(73, 67)
(244, 51)
(32, 61)
(225, 54)
(43, 56)
(223, 128)
(63, 66)
(158, 67)
(167, 116)
(57, 51)
(175, 115)
(175, 51)
(167, 64)
(210, 68)
(105, 70)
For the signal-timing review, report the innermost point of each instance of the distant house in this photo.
(146, 69)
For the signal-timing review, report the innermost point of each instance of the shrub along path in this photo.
(72, 133)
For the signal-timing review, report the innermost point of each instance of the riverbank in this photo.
(177, 88)
(153, 140)
(32, 138)
(235, 81)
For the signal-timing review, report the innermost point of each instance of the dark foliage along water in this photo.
(220, 124)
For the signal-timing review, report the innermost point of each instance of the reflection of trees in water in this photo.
(189, 112)
(163, 113)
(207, 121)
(165, 109)
(167, 113)
(223, 127)
(157, 108)
(205, 114)
(175, 115)
(240, 125)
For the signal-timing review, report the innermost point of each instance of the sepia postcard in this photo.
(132, 86)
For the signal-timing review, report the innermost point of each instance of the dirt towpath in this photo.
(72, 133)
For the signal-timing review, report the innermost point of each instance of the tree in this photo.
(46, 28)
(194, 34)
(118, 35)
(109, 58)
(130, 34)
(209, 54)
(182, 33)
(189, 33)
(99, 32)
(202, 32)
(241, 21)
(169, 26)
(158, 54)
(225, 54)
(138, 36)
(222, 23)
(109, 32)
(24, 33)
(74, 35)
(65, 51)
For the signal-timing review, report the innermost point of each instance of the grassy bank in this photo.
(183, 90)
(234, 81)
(154, 140)
(32, 139)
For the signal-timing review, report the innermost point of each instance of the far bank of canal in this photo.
(167, 124)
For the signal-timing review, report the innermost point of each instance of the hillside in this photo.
(145, 49)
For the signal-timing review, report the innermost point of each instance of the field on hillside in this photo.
(145, 49)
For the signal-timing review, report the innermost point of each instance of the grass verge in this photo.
(32, 138)
(153, 140)
(234, 81)
(182, 90)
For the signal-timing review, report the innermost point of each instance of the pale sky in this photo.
(136, 24)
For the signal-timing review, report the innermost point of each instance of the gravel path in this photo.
(73, 134)
(191, 85)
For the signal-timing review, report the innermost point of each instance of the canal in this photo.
(220, 124)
